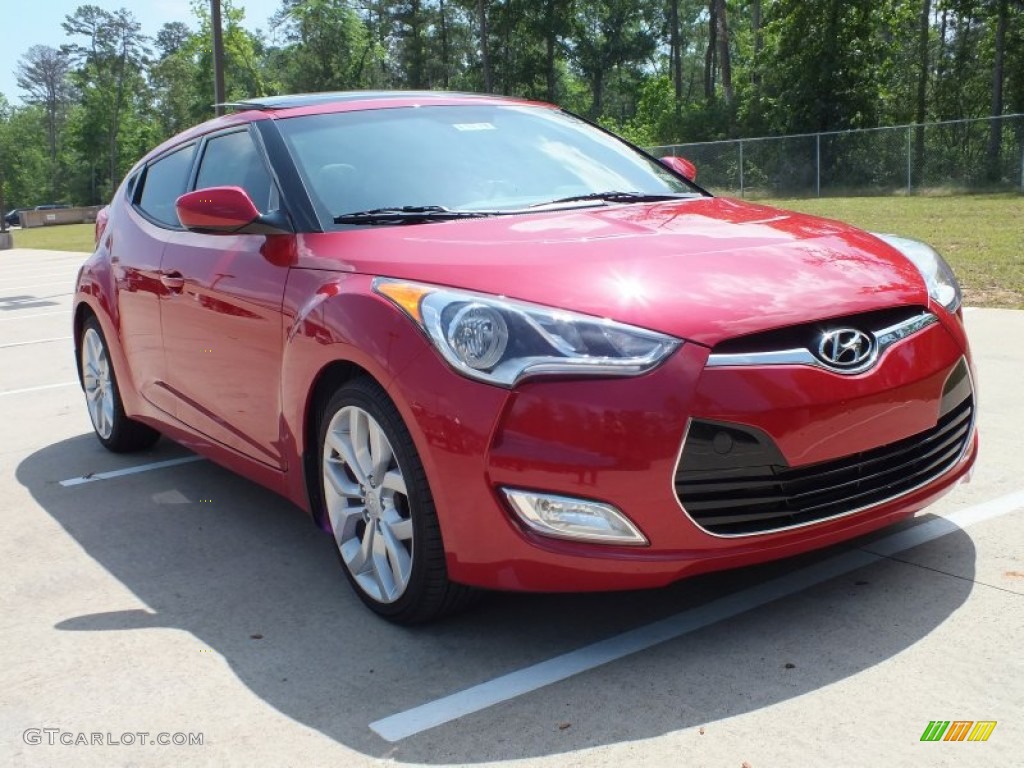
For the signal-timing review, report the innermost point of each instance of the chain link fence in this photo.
(953, 155)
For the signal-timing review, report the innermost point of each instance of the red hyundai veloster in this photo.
(487, 344)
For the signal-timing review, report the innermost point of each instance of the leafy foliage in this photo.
(657, 72)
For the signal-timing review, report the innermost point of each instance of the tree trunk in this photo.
(710, 53)
(485, 55)
(416, 32)
(962, 58)
(995, 134)
(724, 60)
(941, 73)
(755, 23)
(676, 51)
(51, 137)
(549, 39)
(506, 53)
(444, 45)
(922, 87)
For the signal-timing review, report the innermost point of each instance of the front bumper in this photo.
(619, 441)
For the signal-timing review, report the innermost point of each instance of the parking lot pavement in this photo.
(182, 599)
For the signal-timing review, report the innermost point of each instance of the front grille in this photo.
(754, 493)
(808, 335)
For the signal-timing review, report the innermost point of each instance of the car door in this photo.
(222, 323)
(135, 256)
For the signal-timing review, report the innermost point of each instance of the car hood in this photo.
(702, 269)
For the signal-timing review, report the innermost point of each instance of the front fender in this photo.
(325, 312)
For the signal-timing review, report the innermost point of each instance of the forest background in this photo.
(657, 72)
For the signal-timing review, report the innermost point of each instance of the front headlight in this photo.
(937, 274)
(503, 341)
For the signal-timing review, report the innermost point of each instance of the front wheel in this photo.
(115, 430)
(376, 496)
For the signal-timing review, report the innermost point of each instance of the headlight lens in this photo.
(478, 335)
(503, 341)
(937, 274)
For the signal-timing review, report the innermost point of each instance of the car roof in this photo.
(293, 105)
(300, 100)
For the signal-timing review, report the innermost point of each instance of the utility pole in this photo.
(218, 57)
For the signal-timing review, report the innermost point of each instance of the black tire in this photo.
(122, 434)
(428, 593)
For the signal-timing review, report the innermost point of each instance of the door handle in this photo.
(173, 281)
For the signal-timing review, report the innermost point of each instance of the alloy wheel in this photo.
(98, 382)
(368, 504)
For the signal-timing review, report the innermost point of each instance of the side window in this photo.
(129, 187)
(232, 160)
(166, 180)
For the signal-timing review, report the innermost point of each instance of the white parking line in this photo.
(36, 389)
(34, 341)
(487, 694)
(129, 471)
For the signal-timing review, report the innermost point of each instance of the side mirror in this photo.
(226, 211)
(682, 166)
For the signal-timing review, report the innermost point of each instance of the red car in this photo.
(486, 344)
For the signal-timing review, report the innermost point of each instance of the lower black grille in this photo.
(751, 495)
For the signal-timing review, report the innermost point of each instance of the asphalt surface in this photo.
(185, 600)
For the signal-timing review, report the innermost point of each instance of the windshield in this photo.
(484, 158)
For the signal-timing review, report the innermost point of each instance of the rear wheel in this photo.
(114, 429)
(375, 493)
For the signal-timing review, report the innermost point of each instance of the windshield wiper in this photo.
(409, 214)
(616, 196)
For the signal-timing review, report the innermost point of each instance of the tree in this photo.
(411, 20)
(110, 79)
(249, 69)
(175, 77)
(724, 57)
(826, 62)
(43, 74)
(611, 35)
(23, 156)
(328, 47)
(555, 24)
(995, 134)
(923, 63)
(669, 71)
(675, 56)
(485, 54)
(172, 38)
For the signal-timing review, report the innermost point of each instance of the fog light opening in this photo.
(565, 517)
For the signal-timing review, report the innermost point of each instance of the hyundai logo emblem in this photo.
(846, 349)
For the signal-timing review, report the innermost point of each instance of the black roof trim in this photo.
(270, 103)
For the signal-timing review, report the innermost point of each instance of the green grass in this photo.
(59, 237)
(981, 236)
